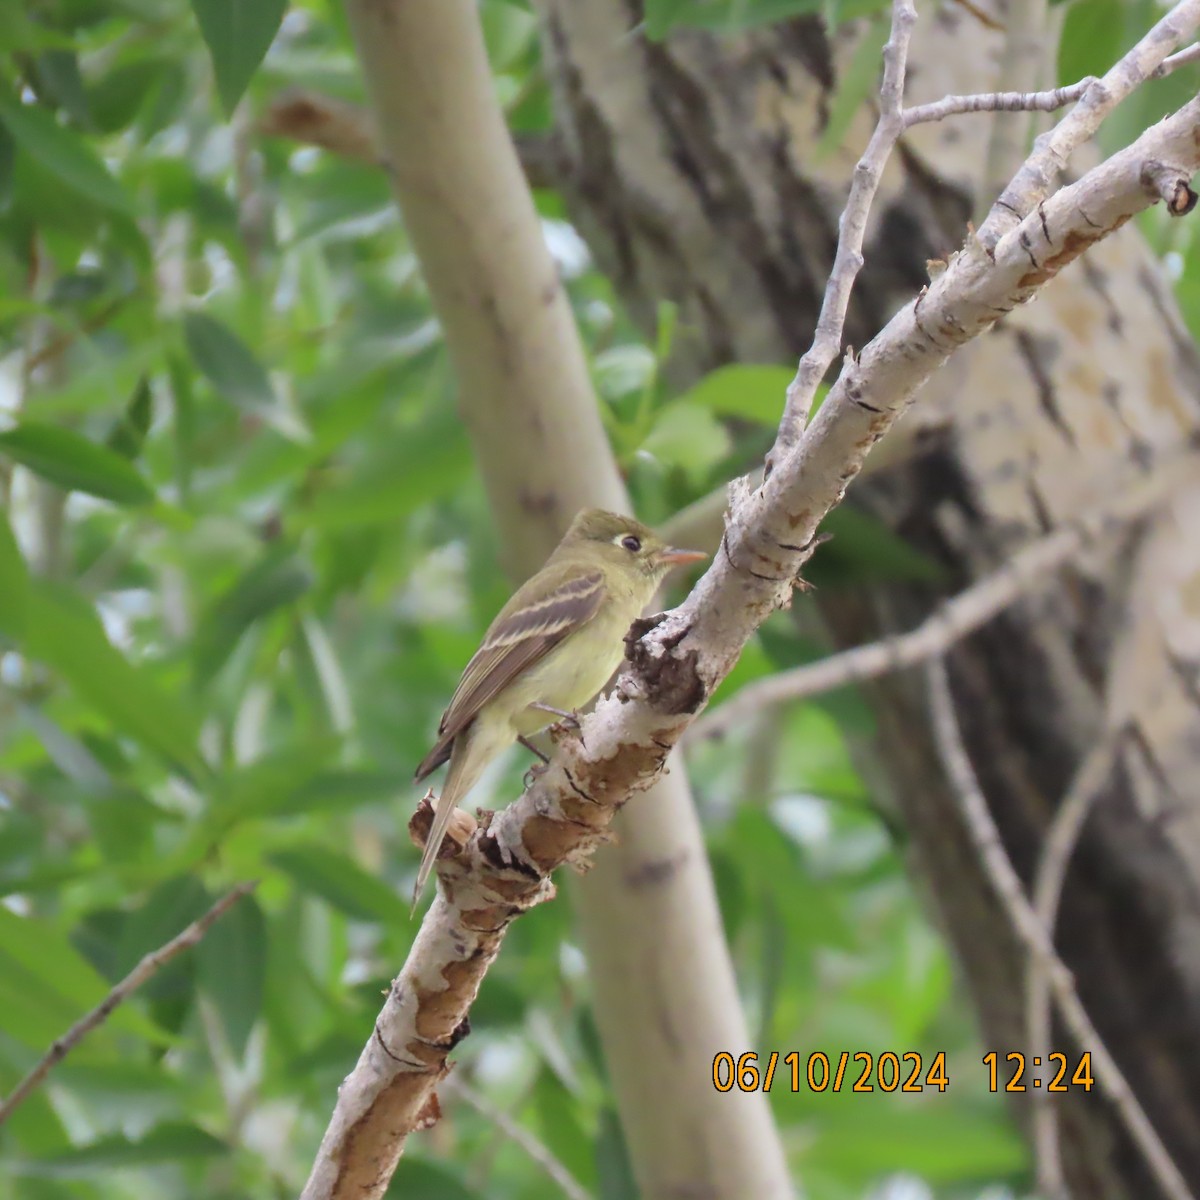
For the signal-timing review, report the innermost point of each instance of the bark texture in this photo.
(691, 169)
(664, 993)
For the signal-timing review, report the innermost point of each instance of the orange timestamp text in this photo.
(859, 1071)
(1057, 1072)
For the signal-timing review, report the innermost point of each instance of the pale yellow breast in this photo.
(573, 672)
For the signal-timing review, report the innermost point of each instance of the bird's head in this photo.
(624, 542)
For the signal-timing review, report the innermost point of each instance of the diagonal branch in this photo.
(852, 228)
(1036, 937)
(676, 660)
(1030, 568)
(541, 1154)
(1041, 171)
(1051, 875)
(149, 966)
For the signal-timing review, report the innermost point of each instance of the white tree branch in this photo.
(677, 660)
(852, 228)
(1030, 568)
(952, 106)
(1043, 169)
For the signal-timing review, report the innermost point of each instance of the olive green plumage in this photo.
(552, 647)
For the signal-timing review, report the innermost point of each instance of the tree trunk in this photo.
(664, 991)
(690, 166)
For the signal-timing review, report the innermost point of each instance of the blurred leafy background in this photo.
(243, 556)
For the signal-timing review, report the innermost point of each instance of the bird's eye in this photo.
(631, 543)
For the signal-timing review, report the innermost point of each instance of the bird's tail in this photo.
(473, 749)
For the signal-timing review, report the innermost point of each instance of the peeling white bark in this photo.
(676, 664)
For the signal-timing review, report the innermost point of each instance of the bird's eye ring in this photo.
(631, 543)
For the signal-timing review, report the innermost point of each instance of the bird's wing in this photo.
(523, 634)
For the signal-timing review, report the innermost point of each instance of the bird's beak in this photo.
(673, 557)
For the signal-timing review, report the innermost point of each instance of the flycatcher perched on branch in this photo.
(551, 648)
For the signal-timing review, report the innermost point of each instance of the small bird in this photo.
(551, 648)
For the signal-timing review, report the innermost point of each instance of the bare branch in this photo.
(852, 226)
(1033, 934)
(1043, 169)
(305, 115)
(676, 659)
(1048, 101)
(302, 114)
(1022, 69)
(149, 966)
(952, 106)
(1166, 182)
(1051, 874)
(1030, 568)
(1184, 58)
(538, 1151)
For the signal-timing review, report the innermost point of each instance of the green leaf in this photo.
(1093, 38)
(167, 1145)
(238, 34)
(855, 83)
(130, 431)
(73, 462)
(58, 71)
(63, 153)
(14, 583)
(342, 882)
(228, 363)
(40, 967)
(64, 632)
(232, 963)
(688, 437)
(8, 155)
(424, 1179)
(117, 98)
(423, 465)
(944, 1142)
(612, 1159)
(863, 549)
(276, 580)
(748, 391)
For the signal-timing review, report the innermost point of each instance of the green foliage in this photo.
(74, 463)
(238, 33)
(243, 556)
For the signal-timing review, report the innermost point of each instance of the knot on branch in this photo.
(458, 833)
(1171, 184)
(671, 679)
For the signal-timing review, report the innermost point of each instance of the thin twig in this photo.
(564, 816)
(1030, 568)
(1184, 58)
(1046, 101)
(1022, 62)
(1042, 170)
(1007, 886)
(852, 225)
(343, 128)
(953, 106)
(150, 965)
(1048, 882)
(538, 1151)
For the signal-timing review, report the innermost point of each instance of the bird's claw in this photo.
(535, 772)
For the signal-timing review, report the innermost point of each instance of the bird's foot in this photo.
(568, 720)
(535, 772)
